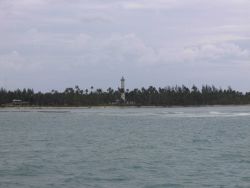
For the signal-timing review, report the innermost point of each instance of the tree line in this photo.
(151, 96)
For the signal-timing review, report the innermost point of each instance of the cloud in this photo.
(149, 5)
(15, 61)
(78, 38)
(11, 60)
(213, 52)
(118, 50)
(176, 4)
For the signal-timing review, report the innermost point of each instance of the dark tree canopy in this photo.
(151, 96)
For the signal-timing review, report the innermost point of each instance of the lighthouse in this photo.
(123, 89)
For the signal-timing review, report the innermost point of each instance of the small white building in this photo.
(17, 102)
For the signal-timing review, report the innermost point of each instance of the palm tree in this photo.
(91, 88)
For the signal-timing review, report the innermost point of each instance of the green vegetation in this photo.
(168, 96)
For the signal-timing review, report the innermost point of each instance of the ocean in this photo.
(115, 147)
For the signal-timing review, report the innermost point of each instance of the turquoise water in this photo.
(125, 147)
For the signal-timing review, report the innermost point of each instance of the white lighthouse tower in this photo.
(123, 90)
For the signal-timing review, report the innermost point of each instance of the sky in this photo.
(54, 44)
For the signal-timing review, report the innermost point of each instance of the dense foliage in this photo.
(168, 96)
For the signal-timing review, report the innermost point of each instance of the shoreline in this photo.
(122, 106)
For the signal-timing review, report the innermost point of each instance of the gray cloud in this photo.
(151, 42)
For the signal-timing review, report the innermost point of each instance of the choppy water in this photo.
(125, 147)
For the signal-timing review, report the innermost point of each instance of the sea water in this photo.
(125, 147)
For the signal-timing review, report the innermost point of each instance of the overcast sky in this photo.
(54, 44)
